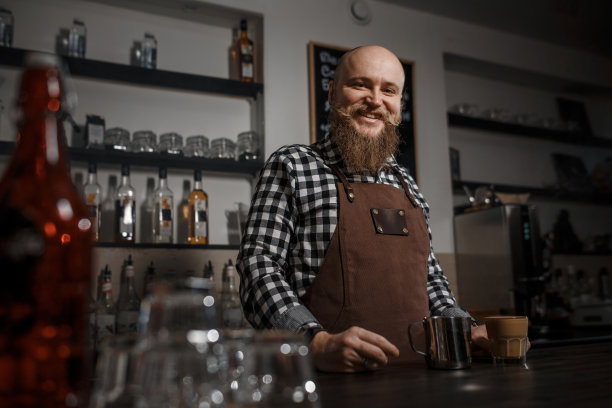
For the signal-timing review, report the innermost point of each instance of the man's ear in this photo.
(330, 92)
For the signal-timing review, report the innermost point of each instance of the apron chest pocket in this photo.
(389, 221)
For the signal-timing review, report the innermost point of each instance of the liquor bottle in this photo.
(93, 199)
(198, 212)
(128, 305)
(208, 272)
(162, 210)
(125, 208)
(234, 60)
(182, 222)
(45, 252)
(146, 213)
(77, 39)
(149, 279)
(107, 229)
(78, 183)
(92, 312)
(106, 322)
(231, 306)
(245, 46)
(148, 52)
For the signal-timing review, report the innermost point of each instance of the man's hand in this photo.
(480, 339)
(352, 350)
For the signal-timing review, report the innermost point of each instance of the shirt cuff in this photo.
(457, 312)
(295, 318)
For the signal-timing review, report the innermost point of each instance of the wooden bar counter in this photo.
(562, 376)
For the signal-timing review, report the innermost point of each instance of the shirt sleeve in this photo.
(267, 298)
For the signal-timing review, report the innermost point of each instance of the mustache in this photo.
(363, 109)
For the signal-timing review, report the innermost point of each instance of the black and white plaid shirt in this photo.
(293, 216)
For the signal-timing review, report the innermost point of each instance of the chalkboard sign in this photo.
(322, 65)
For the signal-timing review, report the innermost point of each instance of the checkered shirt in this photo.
(293, 216)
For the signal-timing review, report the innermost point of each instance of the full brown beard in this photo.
(361, 153)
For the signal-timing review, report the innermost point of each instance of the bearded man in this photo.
(337, 242)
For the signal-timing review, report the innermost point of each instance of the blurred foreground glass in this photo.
(278, 372)
(116, 382)
(508, 339)
(184, 362)
(177, 374)
(177, 306)
(235, 344)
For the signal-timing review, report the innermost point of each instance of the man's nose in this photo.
(374, 98)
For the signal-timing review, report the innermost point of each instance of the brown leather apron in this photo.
(374, 274)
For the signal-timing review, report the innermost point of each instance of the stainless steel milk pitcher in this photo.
(447, 340)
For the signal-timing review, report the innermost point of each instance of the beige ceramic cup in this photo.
(508, 338)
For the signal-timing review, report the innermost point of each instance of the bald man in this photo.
(337, 243)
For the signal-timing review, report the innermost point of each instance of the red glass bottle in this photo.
(45, 254)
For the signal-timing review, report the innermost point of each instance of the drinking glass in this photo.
(197, 146)
(115, 384)
(508, 338)
(235, 344)
(278, 372)
(184, 363)
(177, 374)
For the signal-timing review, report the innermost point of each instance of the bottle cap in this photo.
(125, 170)
(197, 175)
(163, 173)
(92, 167)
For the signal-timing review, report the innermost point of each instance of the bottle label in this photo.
(95, 135)
(126, 216)
(105, 327)
(129, 271)
(107, 287)
(127, 321)
(201, 219)
(94, 216)
(164, 218)
(246, 61)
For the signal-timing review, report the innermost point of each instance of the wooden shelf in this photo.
(80, 154)
(534, 132)
(537, 193)
(127, 74)
(163, 246)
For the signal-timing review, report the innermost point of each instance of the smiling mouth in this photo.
(371, 115)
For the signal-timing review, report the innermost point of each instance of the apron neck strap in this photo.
(350, 194)
(405, 186)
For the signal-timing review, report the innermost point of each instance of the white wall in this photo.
(288, 27)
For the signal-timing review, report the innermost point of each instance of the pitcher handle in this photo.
(411, 342)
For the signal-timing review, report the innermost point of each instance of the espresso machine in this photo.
(499, 260)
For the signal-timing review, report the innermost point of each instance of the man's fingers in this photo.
(373, 347)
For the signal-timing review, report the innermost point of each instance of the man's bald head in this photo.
(348, 59)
